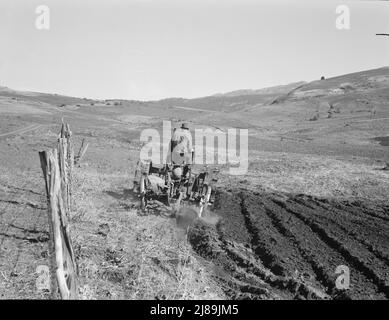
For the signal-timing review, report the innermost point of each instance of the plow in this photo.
(175, 185)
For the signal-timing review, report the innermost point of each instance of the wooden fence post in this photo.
(66, 152)
(52, 253)
(57, 174)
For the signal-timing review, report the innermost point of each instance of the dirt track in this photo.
(22, 130)
(273, 245)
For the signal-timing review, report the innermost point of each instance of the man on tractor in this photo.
(181, 151)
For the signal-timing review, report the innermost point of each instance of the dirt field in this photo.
(274, 245)
(315, 196)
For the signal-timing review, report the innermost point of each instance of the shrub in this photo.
(346, 86)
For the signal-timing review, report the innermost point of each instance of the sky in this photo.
(154, 49)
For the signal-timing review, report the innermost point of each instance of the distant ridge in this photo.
(280, 92)
(267, 90)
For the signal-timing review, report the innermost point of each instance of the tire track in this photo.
(22, 130)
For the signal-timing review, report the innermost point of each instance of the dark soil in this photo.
(383, 141)
(273, 245)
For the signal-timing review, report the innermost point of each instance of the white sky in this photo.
(156, 49)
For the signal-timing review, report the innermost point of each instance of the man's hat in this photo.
(185, 126)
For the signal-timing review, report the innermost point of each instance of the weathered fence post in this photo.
(66, 160)
(81, 152)
(57, 171)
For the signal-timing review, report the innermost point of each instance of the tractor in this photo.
(174, 184)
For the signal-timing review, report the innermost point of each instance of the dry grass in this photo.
(141, 257)
(318, 176)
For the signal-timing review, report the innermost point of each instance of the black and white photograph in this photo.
(200, 150)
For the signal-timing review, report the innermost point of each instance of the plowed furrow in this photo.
(374, 238)
(350, 254)
(376, 214)
(281, 265)
(276, 242)
(321, 275)
(271, 244)
(252, 267)
(322, 259)
(230, 270)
